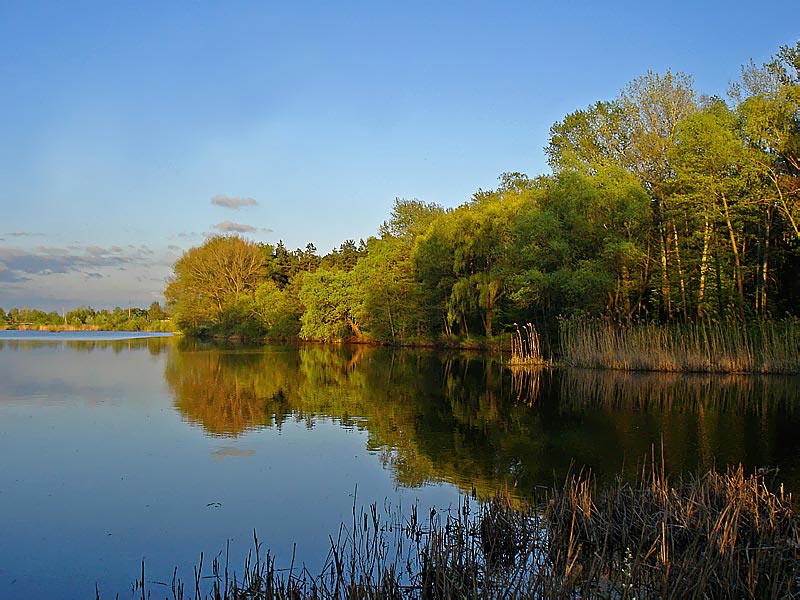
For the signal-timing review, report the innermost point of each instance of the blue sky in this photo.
(121, 121)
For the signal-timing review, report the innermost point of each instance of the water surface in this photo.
(114, 451)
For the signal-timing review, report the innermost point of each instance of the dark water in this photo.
(158, 449)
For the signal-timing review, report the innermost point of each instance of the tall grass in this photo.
(706, 346)
(526, 346)
(715, 535)
(719, 535)
(381, 555)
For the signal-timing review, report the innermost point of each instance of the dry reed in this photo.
(719, 535)
(706, 346)
(716, 535)
(526, 346)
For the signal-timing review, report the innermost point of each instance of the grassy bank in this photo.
(715, 535)
(714, 347)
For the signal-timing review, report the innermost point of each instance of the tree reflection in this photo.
(466, 419)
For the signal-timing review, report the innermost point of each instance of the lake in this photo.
(117, 450)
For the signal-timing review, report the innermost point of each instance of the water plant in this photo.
(729, 346)
(715, 535)
(526, 346)
(710, 535)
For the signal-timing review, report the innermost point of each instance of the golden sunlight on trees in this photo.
(220, 275)
(663, 205)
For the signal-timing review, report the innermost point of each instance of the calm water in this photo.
(114, 451)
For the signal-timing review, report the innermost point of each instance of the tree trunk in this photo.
(645, 280)
(391, 321)
(680, 271)
(737, 261)
(709, 228)
(761, 303)
(356, 329)
(666, 304)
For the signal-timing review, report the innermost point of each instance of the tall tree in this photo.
(212, 278)
(708, 160)
(768, 99)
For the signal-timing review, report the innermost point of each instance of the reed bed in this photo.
(380, 555)
(715, 535)
(719, 535)
(526, 346)
(706, 346)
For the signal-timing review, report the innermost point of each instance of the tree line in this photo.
(663, 205)
(86, 317)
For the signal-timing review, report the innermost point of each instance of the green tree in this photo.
(635, 132)
(580, 246)
(711, 188)
(156, 313)
(220, 275)
(332, 306)
(769, 104)
(387, 289)
(391, 303)
(589, 139)
(279, 309)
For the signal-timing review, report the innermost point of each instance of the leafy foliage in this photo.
(663, 205)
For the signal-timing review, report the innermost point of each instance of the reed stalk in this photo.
(705, 346)
(526, 346)
(712, 535)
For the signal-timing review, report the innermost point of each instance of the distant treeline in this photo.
(86, 317)
(663, 205)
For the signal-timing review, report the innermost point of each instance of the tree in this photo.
(589, 139)
(767, 104)
(212, 278)
(278, 309)
(768, 100)
(331, 304)
(634, 132)
(710, 179)
(409, 219)
(390, 304)
(155, 312)
(580, 246)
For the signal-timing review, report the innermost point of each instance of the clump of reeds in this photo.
(704, 346)
(451, 554)
(716, 535)
(526, 346)
(719, 535)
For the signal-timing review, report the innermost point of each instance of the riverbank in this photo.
(718, 535)
(728, 347)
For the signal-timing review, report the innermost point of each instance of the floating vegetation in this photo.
(714, 535)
